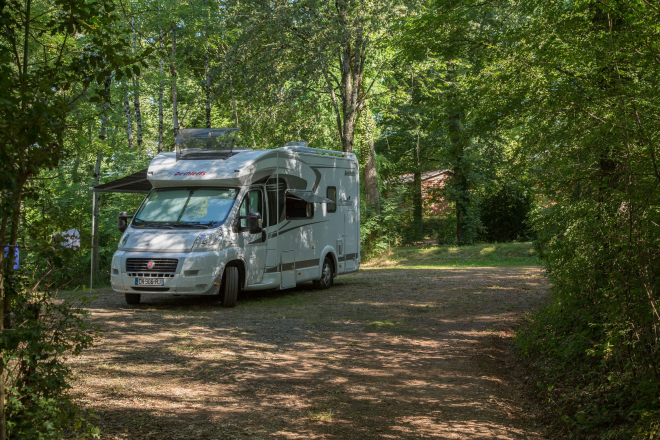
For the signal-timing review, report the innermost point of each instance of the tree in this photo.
(335, 49)
(577, 84)
(52, 56)
(447, 33)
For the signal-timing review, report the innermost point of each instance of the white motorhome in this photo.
(221, 220)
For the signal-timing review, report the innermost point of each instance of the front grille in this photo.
(150, 275)
(167, 265)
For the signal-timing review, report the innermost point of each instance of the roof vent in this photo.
(296, 144)
(206, 143)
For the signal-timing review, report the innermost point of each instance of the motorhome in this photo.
(221, 219)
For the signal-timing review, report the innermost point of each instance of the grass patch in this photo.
(320, 415)
(382, 324)
(479, 255)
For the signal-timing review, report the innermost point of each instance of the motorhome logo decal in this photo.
(345, 201)
(190, 173)
(349, 173)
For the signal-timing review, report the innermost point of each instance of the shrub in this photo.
(45, 330)
(505, 215)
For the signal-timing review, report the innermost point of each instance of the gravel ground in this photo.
(384, 353)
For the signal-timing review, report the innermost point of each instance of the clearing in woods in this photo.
(390, 352)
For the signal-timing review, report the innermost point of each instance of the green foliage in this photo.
(379, 232)
(38, 405)
(585, 85)
(47, 330)
(504, 214)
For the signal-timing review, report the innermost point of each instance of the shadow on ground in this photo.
(410, 353)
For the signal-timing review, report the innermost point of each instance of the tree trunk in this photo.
(418, 219)
(208, 90)
(96, 270)
(129, 123)
(348, 105)
(233, 102)
(11, 254)
(351, 64)
(136, 95)
(106, 106)
(459, 183)
(160, 104)
(249, 106)
(371, 177)
(3, 423)
(96, 197)
(138, 113)
(173, 73)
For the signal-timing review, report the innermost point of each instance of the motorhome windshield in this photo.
(186, 207)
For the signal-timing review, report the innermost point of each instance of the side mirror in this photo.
(254, 222)
(122, 224)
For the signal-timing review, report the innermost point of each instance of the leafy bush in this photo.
(45, 330)
(595, 346)
(379, 232)
(38, 405)
(504, 215)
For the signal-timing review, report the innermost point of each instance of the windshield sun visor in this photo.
(307, 196)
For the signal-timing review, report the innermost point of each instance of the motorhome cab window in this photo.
(298, 209)
(186, 207)
(275, 200)
(253, 202)
(331, 193)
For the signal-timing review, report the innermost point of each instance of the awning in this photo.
(308, 196)
(134, 183)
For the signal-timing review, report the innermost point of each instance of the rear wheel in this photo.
(132, 298)
(229, 286)
(326, 275)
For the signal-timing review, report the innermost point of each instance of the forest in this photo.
(544, 114)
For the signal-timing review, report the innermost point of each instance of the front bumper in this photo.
(196, 273)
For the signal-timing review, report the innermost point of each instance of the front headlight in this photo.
(124, 239)
(208, 240)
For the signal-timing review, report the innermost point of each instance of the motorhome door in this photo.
(253, 245)
(350, 239)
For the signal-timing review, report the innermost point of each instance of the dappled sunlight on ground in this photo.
(414, 353)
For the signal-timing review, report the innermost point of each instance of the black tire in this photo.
(229, 287)
(132, 298)
(326, 280)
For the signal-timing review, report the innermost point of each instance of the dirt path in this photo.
(383, 354)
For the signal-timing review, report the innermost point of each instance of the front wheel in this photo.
(132, 298)
(229, 287)
(326, 275)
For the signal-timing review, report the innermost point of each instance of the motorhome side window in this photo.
(331, 193)
(298, 209)
(253, 202)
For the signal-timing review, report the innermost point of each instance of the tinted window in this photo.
(243, 211)
(252, 203)
(331, 193)
(185, 206)
(296, 208)
(273, 194)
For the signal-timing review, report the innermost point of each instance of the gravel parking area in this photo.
(384, 353)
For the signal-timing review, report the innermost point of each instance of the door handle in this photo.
(264, 236)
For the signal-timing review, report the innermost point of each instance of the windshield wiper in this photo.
(152, 225)
(181, 225)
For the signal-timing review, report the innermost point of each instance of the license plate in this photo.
(150, 281)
